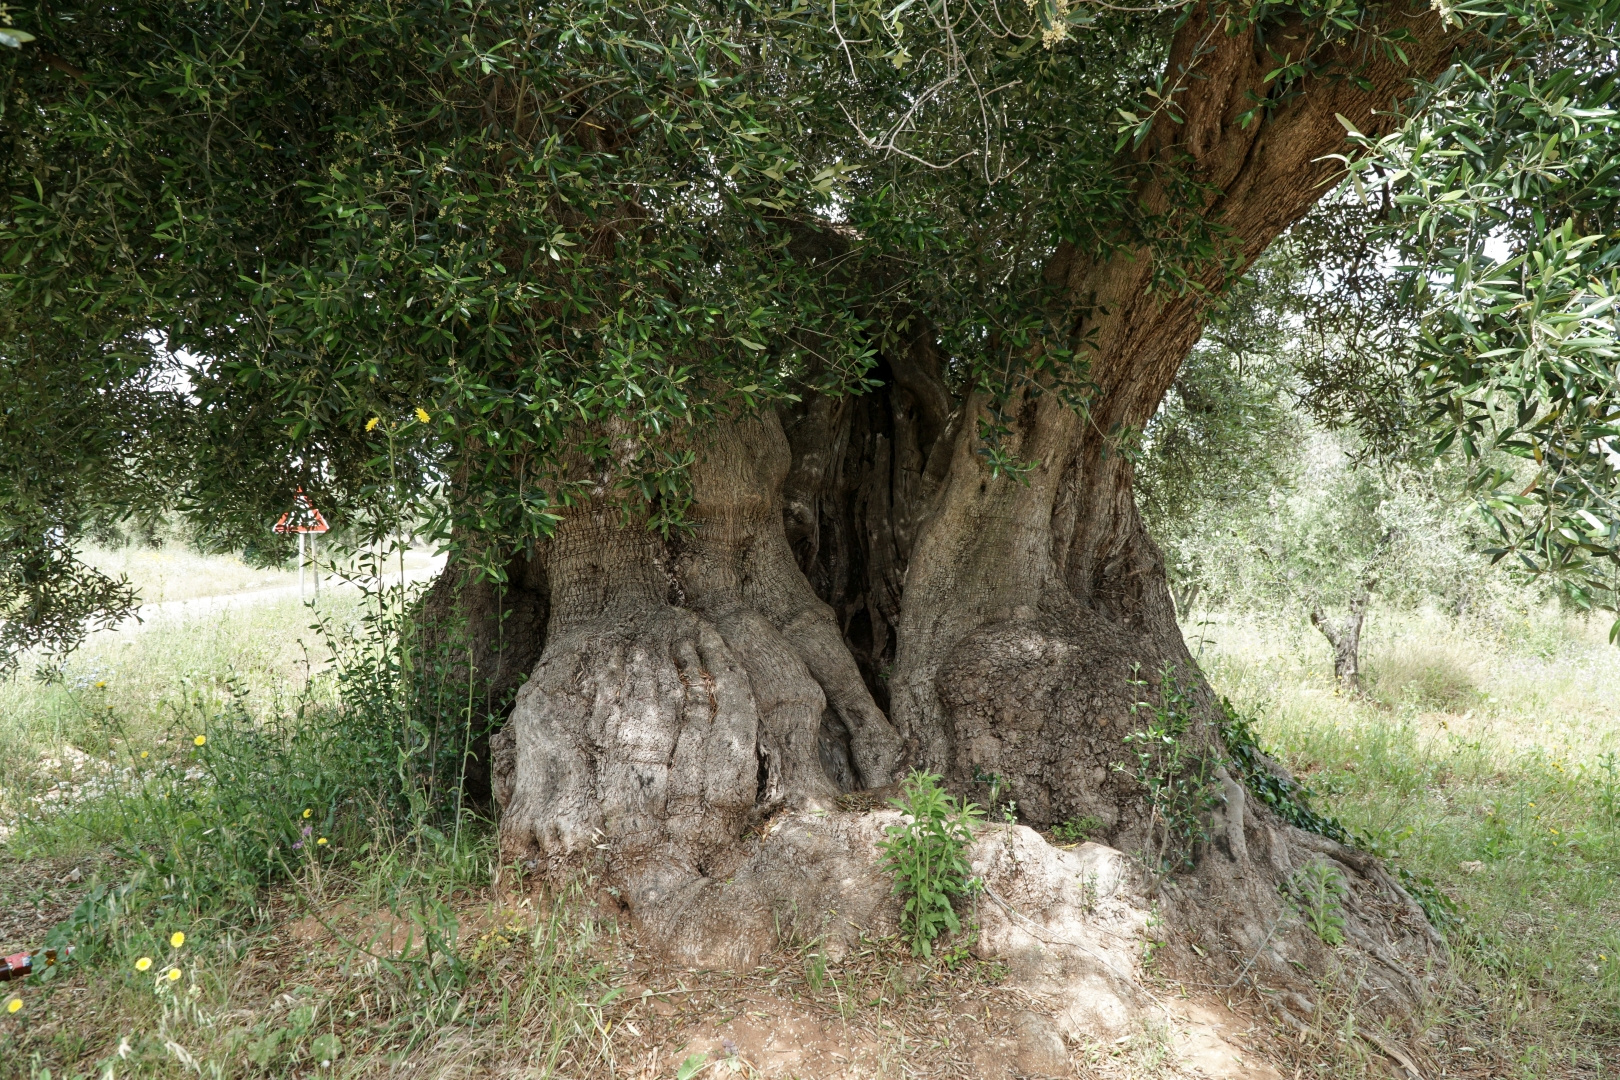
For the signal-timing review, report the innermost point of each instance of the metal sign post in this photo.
(304, 520)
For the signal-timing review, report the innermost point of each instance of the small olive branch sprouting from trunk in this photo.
(927, 854)
(1179, 778)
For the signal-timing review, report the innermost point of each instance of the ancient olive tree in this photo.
(773, 371)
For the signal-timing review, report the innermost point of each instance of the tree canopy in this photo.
(466, 261)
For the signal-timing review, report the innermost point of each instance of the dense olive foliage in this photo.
(238, 235)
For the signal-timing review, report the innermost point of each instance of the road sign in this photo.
(302, 518)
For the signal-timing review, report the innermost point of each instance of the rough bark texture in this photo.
(1000, 621)
(688, 689)
(1345, 637)
(860, 596)
(1026, 605)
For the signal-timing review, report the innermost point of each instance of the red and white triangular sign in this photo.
(302, 518)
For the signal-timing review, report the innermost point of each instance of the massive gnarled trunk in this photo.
(860, 596)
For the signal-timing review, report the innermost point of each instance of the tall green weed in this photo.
(927, 854)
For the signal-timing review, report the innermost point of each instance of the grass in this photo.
(223, 776)
(139, 689)
(1486, 759)
(383, 960)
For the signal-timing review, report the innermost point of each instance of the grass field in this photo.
(332, 914)
(137, 688)
(1488, 760)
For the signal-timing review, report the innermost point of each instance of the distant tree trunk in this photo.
(858, 596)
(1345, 637)
(1186, 595)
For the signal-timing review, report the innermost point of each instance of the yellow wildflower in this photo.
(176, 939)
(371, 425)
(143, 964)
(143, 753)
(422, 414)
(14, 1005)
(199, 740)
(321, 842)
(101, 684)
(308, 812)
(174, 974)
